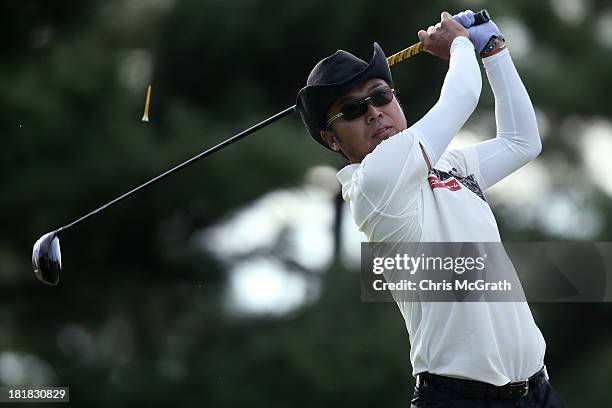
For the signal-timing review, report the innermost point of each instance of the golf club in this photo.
(46, 254)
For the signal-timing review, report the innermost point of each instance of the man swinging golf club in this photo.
(463, 354)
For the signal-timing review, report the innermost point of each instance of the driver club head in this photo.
(47, 258)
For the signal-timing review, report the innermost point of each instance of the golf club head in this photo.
(47, 258)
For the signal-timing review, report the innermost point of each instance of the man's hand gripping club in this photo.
(438, 39)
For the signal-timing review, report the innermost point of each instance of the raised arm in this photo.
(458, 98)
(518, 139)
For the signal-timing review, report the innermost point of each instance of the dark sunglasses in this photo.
(358, 107)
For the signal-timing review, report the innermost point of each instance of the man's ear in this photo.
(330, 138)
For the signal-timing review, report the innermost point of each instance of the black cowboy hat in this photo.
(332, 77)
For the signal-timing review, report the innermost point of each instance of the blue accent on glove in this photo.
(480, 34)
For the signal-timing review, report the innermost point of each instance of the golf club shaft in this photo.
(178, 167)
(480, 18)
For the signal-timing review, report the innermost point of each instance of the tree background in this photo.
(142, 313)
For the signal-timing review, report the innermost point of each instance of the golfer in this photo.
(403, 185)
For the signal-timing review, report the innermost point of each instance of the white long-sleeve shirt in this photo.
(395, 197)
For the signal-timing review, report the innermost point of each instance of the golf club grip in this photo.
(479, 18)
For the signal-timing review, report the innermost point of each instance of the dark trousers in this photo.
(437, 396)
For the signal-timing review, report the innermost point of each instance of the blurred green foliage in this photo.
(143, 303)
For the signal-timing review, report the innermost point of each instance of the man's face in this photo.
(358, 137)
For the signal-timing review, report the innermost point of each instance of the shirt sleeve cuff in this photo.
(489, 61)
